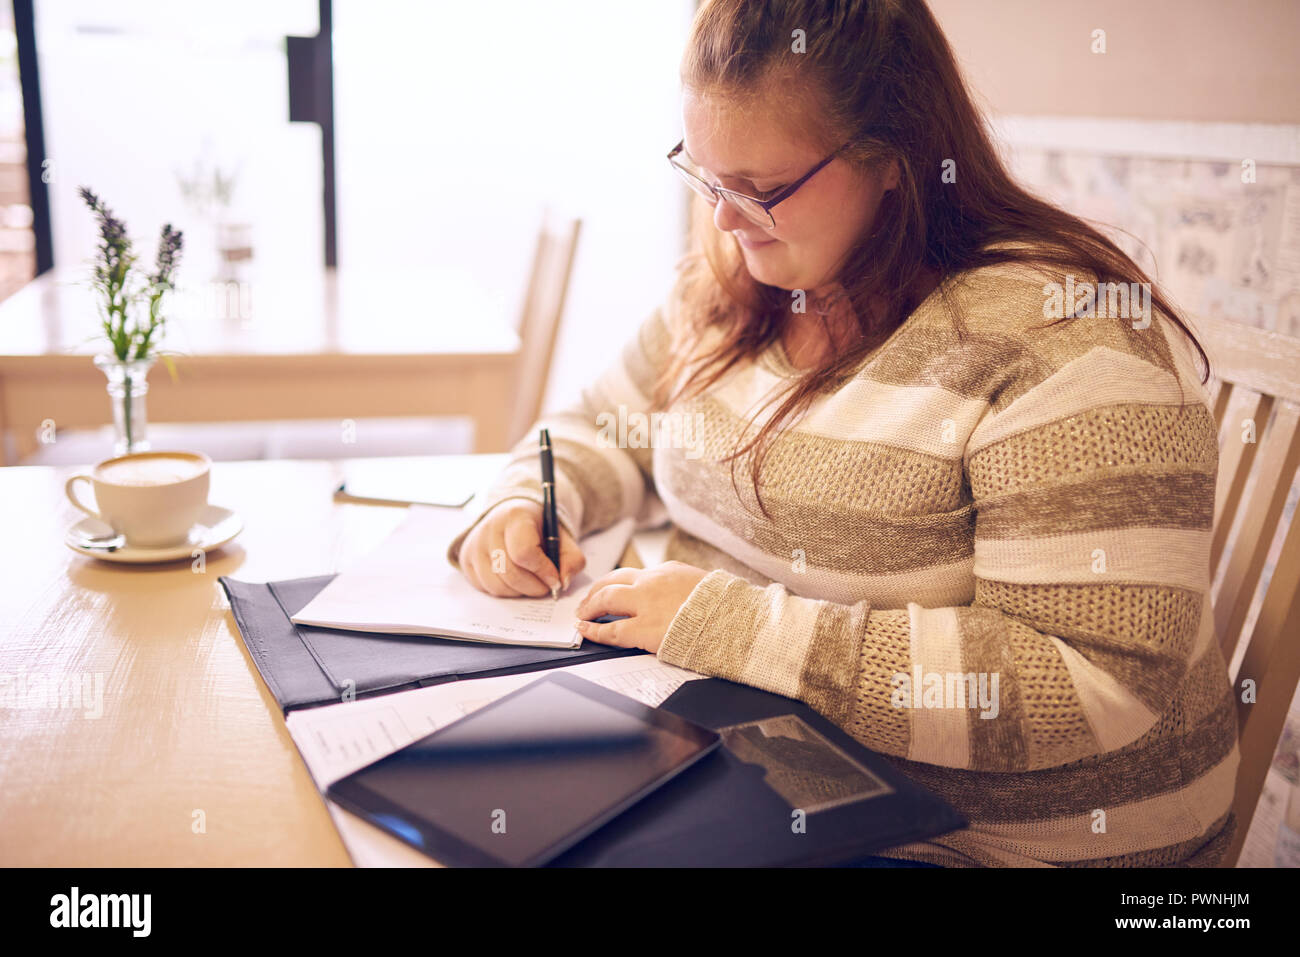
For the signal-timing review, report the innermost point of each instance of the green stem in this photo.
(126, 411)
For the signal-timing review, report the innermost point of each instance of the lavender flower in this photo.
(169, 251)
(122, 289)
(115, 251)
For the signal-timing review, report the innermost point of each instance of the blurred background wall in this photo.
(1195, 60)
(455, 126)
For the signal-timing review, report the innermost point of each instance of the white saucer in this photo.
(216, 526)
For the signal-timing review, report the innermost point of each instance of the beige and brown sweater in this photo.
(987, 559)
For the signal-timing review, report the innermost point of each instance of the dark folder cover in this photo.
(305, 666)
(740, 806)
(753, 802)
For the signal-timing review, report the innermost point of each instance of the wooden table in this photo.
(187, 725)
(332, 345)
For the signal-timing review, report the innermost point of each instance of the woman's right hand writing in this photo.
(503, 554)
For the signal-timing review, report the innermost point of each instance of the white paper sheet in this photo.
(406, 586)
(341, 738)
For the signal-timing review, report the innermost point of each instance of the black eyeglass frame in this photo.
(765, 204)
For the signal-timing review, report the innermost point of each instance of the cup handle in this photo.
(72, 496)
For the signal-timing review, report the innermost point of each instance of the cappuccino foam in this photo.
(154, 470)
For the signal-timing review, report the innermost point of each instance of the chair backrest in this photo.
(1256, 395)
(539, 323)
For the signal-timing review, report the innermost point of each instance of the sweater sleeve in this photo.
(1093, 493)
(601, 445)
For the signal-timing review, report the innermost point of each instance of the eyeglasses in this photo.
(757, 211)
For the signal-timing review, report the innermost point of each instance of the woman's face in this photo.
(815, 228)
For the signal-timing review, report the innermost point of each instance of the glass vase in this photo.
(128, 384)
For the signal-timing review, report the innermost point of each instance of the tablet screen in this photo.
(520, 780)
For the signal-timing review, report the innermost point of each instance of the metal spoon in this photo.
(109, 543)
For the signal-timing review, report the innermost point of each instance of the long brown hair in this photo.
(881, 74)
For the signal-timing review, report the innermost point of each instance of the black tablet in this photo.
(518, 781)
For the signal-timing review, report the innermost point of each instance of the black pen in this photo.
(550, 520)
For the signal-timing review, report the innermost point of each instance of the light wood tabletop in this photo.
(333, 344)
(188, 761)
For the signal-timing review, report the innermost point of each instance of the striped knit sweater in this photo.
(1028, 507)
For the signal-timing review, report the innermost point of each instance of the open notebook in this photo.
(407, 587)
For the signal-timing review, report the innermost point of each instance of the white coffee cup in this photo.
(153, 498)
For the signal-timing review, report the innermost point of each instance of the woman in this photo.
(973, 468)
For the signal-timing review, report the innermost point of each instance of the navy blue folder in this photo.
(732, 809)
(305, 666)
(727, 811)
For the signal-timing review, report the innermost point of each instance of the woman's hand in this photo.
(504, 556)
(649, 597)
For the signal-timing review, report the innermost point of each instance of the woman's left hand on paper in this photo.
(649, 597)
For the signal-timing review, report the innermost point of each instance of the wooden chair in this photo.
(539, 323)
(1256, 396)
